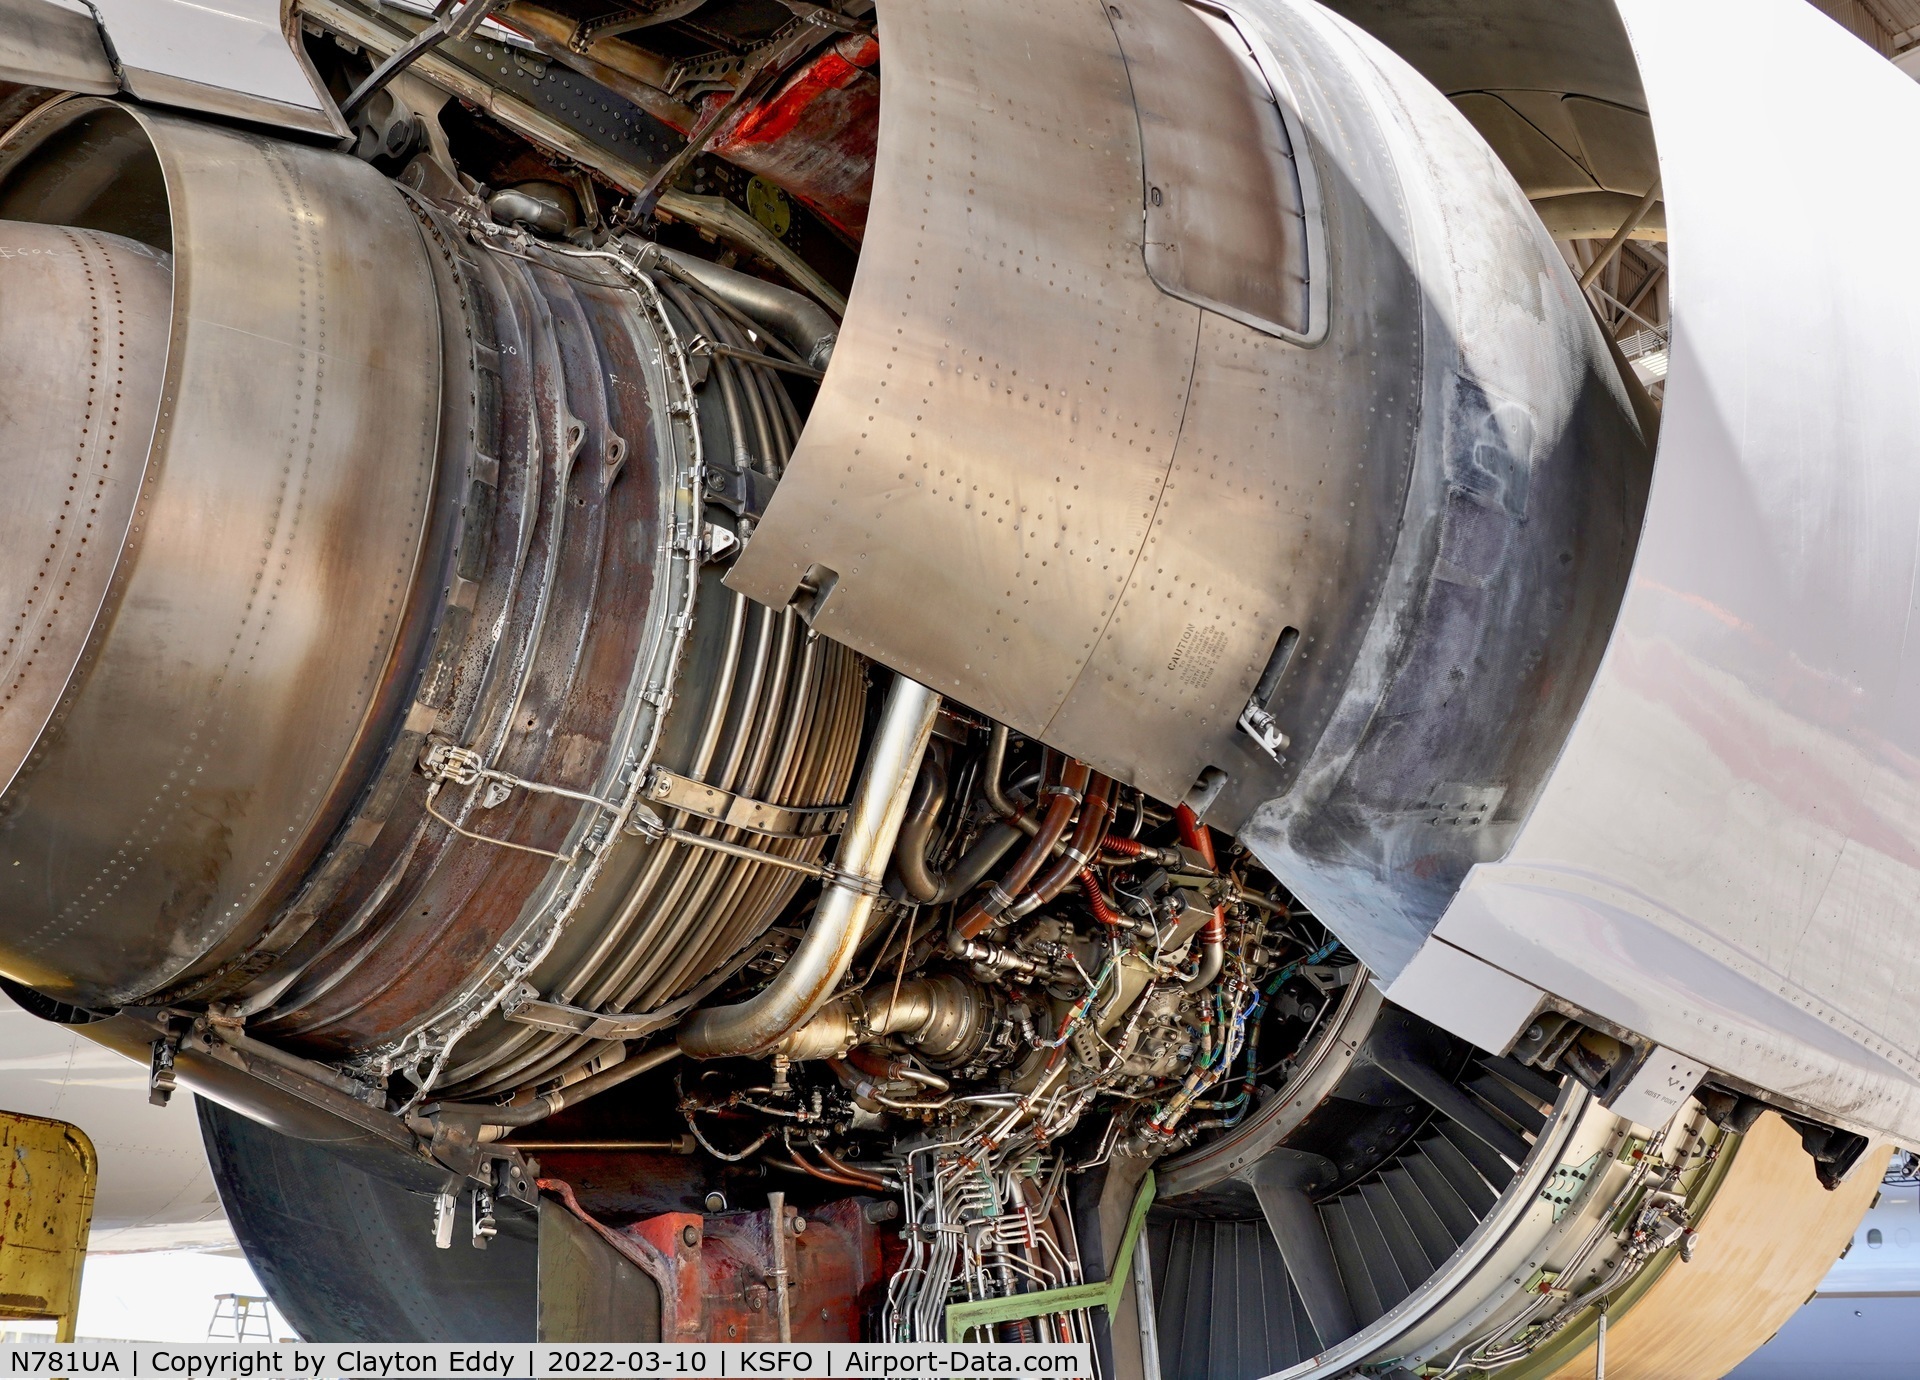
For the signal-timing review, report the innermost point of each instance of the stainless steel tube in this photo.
(799, 321)
(547, 1104)
(808, 980)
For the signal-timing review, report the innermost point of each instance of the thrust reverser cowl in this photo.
(1100, 430)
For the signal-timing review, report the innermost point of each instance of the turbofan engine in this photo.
(784, 815)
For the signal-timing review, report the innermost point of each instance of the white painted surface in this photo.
(225, 45)
(1727, 858)
(155, 1191)
(1474, 1000)
(1660, 1088)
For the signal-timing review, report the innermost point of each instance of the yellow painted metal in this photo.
(47, 1174)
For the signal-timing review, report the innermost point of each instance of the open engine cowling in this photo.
(926, 631)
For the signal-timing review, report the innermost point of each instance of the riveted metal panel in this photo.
(83, 345)
(993, 438)
(1237, 484)
(241, 657)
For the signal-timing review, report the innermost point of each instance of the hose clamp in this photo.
(852, 881)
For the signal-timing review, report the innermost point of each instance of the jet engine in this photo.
(777, 671)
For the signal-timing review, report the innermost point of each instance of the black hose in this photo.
(923, 813)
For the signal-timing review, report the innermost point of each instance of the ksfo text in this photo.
(622, 1361)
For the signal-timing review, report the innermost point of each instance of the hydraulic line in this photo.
(1102, 908)
(1080, 850)
(1195, 835)
(1066, 797)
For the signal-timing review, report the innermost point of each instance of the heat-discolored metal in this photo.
(244, 654)
(406, 614)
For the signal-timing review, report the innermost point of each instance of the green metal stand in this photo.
(977, 1313)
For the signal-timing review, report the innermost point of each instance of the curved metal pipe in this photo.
(917, 876)
(1081, 850)
(978, 861)
(800, 322)
(990, 779)
(910, 854)
(547, 1104)
(1213, 951)
(808, 980)
(1066, 797)
(1195, 835)
(916, 1006)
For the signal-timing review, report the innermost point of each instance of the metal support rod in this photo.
(697, 140)
(777, 1233)
(681, 1145)
(809, 978)
(447, 23)
(1600, 1348)
(547, 1104)
(1627, 227)
(703, 346)
(788, 317)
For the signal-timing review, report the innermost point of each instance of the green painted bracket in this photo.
(964, 1317)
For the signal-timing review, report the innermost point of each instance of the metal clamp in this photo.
(741, 812)
(523, 1006)
(160, 1076)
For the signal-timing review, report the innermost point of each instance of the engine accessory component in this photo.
(1298, 497)
(944, 1016)
(798, 322)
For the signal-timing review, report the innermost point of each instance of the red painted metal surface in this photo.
(718, 1284)
(816, 135)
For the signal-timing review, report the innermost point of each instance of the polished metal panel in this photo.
(231, 58)
(983, 465)
(45, 43)
(1227, 219)
(1458, 992)
(1439, 498)
(84, 319)
(1727, 857)
(242, 658)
